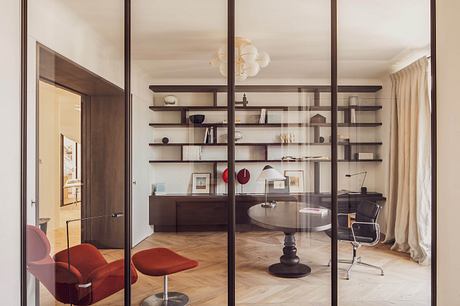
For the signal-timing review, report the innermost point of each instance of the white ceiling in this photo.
(175, 39)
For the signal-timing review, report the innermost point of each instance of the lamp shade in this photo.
(263, 59)
(270, 174)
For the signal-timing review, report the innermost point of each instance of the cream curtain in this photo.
(408, 207)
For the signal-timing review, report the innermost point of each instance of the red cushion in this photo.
(85, 257)
(109, 279)
(87, 266)
(161, 261)
(38, 246)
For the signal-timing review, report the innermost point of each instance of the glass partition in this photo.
(75, 235)
(385, 177)
(76, 142)
(283, 243)
(180, 150)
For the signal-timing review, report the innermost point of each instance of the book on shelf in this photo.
(211, 136)
(263, 116)
(316, 158)
(206, 133)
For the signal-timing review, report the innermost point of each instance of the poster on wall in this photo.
(70, 171)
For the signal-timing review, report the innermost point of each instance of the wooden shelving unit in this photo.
(201, 161)
(264, 125)
(316, 90)
(258, 108)
(264, 88)
(262, 144)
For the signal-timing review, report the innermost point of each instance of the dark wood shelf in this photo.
(205, 125)
(263, 88)
(258, 108)
(360, 124)
(267, 144)
(258, 161)
(362, 108)
(316, 106)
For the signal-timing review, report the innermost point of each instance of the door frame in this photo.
(231, 160)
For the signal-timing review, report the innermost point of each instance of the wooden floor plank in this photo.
(405, 283)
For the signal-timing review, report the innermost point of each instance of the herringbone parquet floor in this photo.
(405, 283)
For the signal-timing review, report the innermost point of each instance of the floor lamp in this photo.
(114, 215)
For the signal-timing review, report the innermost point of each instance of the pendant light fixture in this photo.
(248, 60)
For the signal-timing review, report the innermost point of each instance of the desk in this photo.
(208, 212)
(287, 218)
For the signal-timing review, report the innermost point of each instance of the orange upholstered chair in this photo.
(88, 279)
(163, 262)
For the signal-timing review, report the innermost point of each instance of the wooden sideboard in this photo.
(187, 212)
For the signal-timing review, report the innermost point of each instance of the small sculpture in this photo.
(170, 100)
(318, 119)
(244, 102)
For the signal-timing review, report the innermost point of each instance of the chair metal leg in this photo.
(356, 261)
(166, 298)
(371, 266)
(165, 288)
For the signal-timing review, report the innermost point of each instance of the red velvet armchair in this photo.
(90, 277)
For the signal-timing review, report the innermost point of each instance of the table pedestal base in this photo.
(289, 266)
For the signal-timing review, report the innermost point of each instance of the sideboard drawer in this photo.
(201, 213)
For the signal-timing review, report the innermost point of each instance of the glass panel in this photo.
(179, 148)
(75, 153)
(283, 211)
(385, 182)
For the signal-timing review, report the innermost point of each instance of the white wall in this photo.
(10, 152)
(448, 152)
(57, 115)
(142, 98)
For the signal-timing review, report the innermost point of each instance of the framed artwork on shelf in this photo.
(278, 186)
(296, 180)
(201, 183)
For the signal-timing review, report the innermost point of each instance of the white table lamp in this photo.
(269, 174)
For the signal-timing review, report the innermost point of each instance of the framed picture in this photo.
(201, 182)
(70, 171)
(296, 180)
(278, 187)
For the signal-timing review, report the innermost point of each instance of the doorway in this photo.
(78, 161)
(59, 163)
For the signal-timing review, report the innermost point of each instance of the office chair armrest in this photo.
(377, 228)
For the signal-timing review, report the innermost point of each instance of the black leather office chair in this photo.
(364, 231)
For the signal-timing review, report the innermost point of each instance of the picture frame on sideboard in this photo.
(296, 180)
(201, 183)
